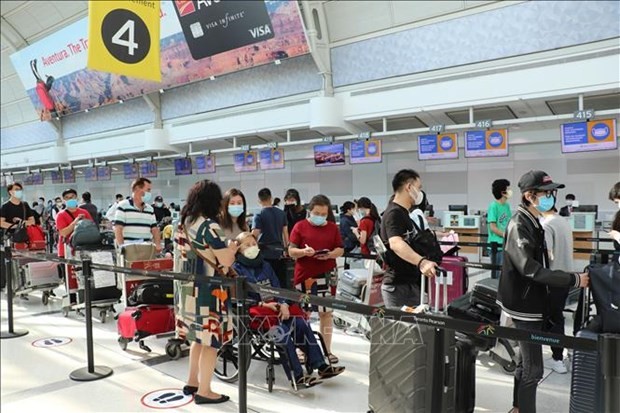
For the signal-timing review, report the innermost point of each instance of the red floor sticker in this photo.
(51, 342)
(166, 399)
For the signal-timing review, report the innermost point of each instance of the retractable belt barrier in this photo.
(465, 264)
(594, 239)
(93, 372)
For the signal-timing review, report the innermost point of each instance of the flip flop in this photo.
(331, 371)
(333, 359)
(306, 381)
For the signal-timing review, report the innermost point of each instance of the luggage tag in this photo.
(211, 27)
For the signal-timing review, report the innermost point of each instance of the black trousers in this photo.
(279, 267)
(557, 301)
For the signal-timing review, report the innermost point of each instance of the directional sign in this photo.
(123, 38)
(166, 399)
(51, 342)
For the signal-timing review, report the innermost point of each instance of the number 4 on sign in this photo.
(130, 44)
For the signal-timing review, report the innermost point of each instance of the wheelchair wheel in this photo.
(227, 363)
(271, 377)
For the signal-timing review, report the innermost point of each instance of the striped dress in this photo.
(203, 312)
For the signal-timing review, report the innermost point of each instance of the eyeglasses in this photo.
(548, 194)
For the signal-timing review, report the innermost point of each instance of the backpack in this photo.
(86, 233)
(370, 239)
(160, 292)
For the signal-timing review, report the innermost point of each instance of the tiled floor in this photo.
(37, 379)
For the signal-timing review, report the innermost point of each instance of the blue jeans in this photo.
(296, 332)
(499, 260)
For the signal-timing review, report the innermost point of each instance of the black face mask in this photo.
(256, 262)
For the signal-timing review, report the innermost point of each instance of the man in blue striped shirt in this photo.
(135, 218)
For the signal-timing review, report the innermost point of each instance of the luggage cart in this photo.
(105, 293)
(31, 275)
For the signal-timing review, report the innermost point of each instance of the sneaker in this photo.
(558, 366)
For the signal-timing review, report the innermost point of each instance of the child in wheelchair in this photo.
(283, 322)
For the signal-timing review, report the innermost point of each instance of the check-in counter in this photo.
(582, 224)
(464, 225)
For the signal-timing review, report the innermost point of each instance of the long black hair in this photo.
(203, 199)
(346, 207)
(364, 202)
(293, 193)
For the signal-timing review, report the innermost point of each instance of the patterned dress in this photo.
(203, 312)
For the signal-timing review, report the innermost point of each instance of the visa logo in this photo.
(185, 7)
(260, 31)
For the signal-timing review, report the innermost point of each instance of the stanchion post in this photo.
(8, 273)
(90, 372)
(494, 273)
(244, 344)
(609, 351)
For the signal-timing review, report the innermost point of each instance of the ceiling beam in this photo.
(9, 31)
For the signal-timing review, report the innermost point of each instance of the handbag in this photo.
(21, 233)
(425, 243)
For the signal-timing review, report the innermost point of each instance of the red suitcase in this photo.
(136, 323)
(458, 280)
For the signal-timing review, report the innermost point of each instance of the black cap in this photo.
(159, 198)
(537, 180)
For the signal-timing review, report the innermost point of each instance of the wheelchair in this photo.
(262, 347)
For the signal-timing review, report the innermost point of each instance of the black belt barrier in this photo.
(608, 345)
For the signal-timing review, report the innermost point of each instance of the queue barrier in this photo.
(608, 345)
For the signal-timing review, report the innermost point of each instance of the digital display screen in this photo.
(329, 155)
(131, 171)
(183, 166)
(246, 161)
(68, 176)
(56, 177)
(104, 173)
(486, 143)
(595, 135)
(368, 151)
(434, 146)
(148, 169)
(271, 159)
(205, 164)
(90, 174)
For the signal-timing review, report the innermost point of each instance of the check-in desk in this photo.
(464, 225)
(582, 224)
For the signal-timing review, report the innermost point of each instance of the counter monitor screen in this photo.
(458, 208)
(329, 154)
(586, 208)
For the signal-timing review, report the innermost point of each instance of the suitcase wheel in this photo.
(271, 377)
(122, 342)
(45, 298)
(136, 314)
(173, 350)
(102, 315)
(144, 346)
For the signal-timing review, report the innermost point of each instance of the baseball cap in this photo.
(159, 198)
(537, 180)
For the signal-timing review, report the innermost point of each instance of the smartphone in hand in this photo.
(321, 252)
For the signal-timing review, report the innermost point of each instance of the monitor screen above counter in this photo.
(582, 221)
(456, 219)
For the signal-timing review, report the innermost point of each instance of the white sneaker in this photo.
(558, 366)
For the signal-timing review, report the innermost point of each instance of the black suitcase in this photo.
(586, 389)
(159, 292)
(412, 367)
(465, 382)
(462, 309)
(484, 295)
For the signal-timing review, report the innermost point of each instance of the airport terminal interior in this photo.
(440, 108)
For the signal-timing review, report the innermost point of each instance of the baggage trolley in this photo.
(31, 275)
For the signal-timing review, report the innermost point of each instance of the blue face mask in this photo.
(71, 203)
(147, 197)
(18, 194)
(545, 203)
(235, 210)
(318, 220)
(159, 204)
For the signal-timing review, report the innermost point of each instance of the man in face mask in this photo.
(525, 278)
(57, 207)
(401, 283)
(571, 202)
(15, 210)
(498, 216)
(135, 218)
(161, 211)
(67, 219)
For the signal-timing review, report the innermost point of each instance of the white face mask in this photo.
(509, 194)
(569, 203)
(417, 199)
(251, 252)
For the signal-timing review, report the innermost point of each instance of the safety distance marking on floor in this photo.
(51, 342)
(166, 399)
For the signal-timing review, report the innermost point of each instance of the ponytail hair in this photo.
(364, 202)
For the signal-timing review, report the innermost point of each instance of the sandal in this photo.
(306, 381)
(332, 359)
(327, 372)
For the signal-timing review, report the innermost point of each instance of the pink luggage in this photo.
(458, 280)
(136, 323)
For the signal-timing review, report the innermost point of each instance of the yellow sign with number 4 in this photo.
(123, 38)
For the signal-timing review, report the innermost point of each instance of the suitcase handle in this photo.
(444, 280)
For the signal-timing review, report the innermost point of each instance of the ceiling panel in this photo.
(493, 113)
(7, 6)
(24, 22)
(301, 134)
(6, 65)
(597, 102)
(248, 140)
(400, 123)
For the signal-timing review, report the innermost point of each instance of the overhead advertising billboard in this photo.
(148, 169)
(245, 161)
(438, 146)
(68, 176)
(271, 159)
(199, 39)
(90, 174)
(131, 170)
(367, 151)
(183, 166)
(486, 143)
(205, 164)
(595, 135)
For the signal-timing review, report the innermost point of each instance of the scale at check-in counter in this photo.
(583, 225)
(457, 219)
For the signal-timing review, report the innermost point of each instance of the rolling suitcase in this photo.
(352, 281)
(465, 381)
(136, 323)
(411, 367)
(462, 309)
(40, 273)
(586, 389)
(458, 280)
(484, 295)
(159, 292)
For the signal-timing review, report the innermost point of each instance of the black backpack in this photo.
(152, 292)
(370, 239)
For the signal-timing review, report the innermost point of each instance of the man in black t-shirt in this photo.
(401, 283)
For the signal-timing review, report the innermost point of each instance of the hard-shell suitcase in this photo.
(458, 280)
(462, 309)
(586, 389)
(465, 382)
(40, 273)
(484, 295)
(352, 281)
(411, 367)
(136, 323)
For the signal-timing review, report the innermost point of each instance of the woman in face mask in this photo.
(294, 329)
(293, 208)
(233, 215)
(369, 222)
(315, 243)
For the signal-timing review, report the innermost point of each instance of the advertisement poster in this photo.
(595, 135)
(486, 143)
(148, 169)
(104, 173)
(245, 161)
(205, 164)
(56, 177)
(329, 154)
(68, 176)
(434, 146)
(368, 151)
(90, 174)
(199, 39)
(183, 166)
(131, 170)
(271, 159)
